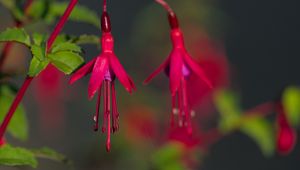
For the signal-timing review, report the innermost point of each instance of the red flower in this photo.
(179, 65)
(104, 69)
(287, 136)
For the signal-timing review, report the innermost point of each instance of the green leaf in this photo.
(86, 39)
(227, 104)
(48, 153)
(168, 156)
(291, 105)
(38, 52)
(262, 132)
(39, 9)
(18, 126)
(11, 156)
(80, 13)
(36, 66)
(39, 39)
(66, 46)
(15, 34)
(66, 61)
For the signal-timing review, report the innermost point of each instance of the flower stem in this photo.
(28, 79)
(14, 105)
(60, 24)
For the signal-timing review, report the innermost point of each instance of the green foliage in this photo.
(16, 35)
(168, 157)
(18, 126)
(262, 132)
(17, 156)
(48, 153)
(228, 106)
(50, 10)
(291, 104)
(66, 61)
(253, 125)
(11, 156)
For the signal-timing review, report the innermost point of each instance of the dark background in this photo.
(262, 44)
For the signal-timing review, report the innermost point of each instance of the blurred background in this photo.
(249, 46)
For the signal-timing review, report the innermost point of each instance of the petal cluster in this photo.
(178, 66)
(104, 69)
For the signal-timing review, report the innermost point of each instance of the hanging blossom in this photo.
(286, 134)
(104, 69)
(179, 66)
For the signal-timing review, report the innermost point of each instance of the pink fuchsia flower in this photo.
(104, 69)
(286, 135)
(179, 66)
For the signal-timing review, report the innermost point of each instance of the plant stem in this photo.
(60, 24)
(28, 79)
(14, 105)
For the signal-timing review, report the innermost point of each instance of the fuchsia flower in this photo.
(286, 135)
(105, 68)
(179, 65)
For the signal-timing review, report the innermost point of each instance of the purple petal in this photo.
(84, 70)
(100, 68)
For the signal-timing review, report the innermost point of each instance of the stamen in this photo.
(106, 104)
(115, 114)
(107, 114)
(180, 105)
(188, 120)
(174, 110)
(96, 116)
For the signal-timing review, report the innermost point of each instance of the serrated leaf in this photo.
(15, 34)
(66, 46)
(16, 156)
(36, 66)
(38, 52)
(18, 126)
(48, 153)
(291, 105)
(262, 132)
(39, 39)
(86, 39)
(66, 61)
(80, 13)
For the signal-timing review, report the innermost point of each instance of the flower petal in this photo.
(158, 70)
(176, 65)
(196, 69)
(84, 70)
(100, 68)
(120, 73)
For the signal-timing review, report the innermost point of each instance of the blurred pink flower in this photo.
(179, 66)
(286, 135)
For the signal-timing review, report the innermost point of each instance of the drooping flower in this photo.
(286, 135)
(104, 69)
(179, 66)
